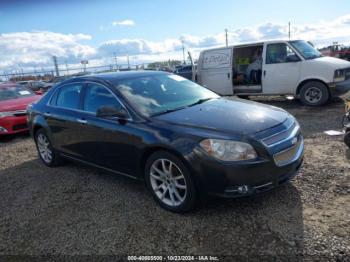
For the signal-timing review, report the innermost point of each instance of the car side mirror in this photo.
(111, 111)
(292, 58)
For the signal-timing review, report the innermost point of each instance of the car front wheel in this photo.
(170, 182)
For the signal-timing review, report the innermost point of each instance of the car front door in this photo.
(63, 116)
(281, 69)
(107, 141)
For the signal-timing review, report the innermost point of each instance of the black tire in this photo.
(189, 199)
(243, 97)
(347, 139)
(314, 93)
(55, 159)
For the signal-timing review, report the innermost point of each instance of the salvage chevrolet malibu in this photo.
(183, 140)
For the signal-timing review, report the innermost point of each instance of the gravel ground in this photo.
(78, 210)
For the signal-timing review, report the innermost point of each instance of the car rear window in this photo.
(13, 92)
(69, 96)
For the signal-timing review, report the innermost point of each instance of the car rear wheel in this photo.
(45, 150)
(314, 93)
(170, 182)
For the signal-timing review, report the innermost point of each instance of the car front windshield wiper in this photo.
(200, 101)
(168, 111)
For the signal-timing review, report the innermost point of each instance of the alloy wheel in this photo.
(168, 182)
(44, 148)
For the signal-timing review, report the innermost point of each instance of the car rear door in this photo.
(63, 116)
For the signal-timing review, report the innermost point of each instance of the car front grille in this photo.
(347, 73)
(290, 154)
(285, 145)
(20, 113)
(291, 128)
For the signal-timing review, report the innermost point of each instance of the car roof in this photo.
(115, 76)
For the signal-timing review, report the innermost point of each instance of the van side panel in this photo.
(215, 70)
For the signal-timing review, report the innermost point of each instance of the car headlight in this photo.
(5, 114)
(339, 75)
(227, 150)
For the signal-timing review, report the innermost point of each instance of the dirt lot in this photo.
(79, 210)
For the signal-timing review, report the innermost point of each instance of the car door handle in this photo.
(47, 114)
(264, 72)
(81, 121)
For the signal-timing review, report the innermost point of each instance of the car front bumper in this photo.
(13, 125)
(246, 178)
(340, 88)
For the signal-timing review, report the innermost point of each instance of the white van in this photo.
(274, 68)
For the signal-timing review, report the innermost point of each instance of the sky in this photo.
(31, 32)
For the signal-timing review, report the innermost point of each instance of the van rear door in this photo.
(215, 70)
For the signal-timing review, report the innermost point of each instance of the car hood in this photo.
(335, 63)
(18, 103)
(232, 116)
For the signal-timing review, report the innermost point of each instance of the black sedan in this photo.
(183, 140)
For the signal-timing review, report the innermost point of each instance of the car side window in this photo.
(54, 98)
(97, 96)
(69, 96)
(279, 53)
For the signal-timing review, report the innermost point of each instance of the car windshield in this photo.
(305, 49)
(13, 92)
(160, 94)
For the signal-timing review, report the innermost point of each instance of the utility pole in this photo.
(226, 37)
(35, 74)
(289, 30)
(116, 61)
(56, 65)
(67, 67)
(183, 50)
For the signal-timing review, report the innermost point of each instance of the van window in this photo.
(279, 53)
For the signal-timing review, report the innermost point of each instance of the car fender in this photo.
(40, 122)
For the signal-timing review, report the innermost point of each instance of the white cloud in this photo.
(28, 49)
(126, 22)
(24, 49)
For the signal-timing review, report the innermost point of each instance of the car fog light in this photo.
(243, 189)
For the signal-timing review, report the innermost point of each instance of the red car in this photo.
(14, 100)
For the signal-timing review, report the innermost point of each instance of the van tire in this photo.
(314, 93)
(243, 97)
